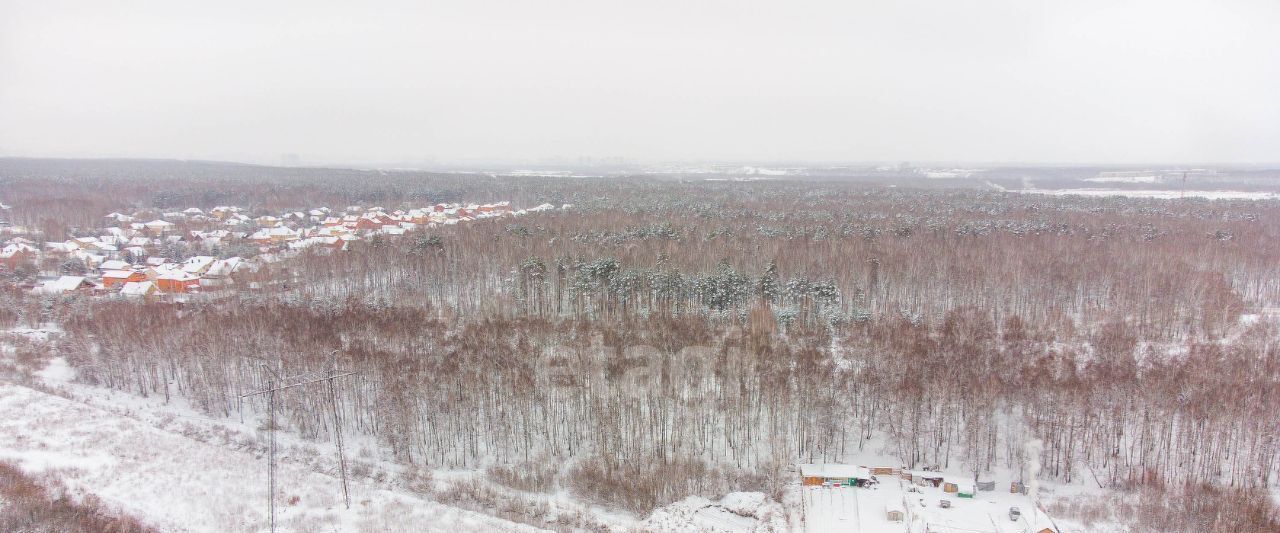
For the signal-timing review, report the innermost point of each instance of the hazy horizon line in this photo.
(477, 164)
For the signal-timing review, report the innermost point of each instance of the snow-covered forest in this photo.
(666, 338)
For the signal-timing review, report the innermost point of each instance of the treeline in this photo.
(65, 197)
(844, 257)
(965, 393)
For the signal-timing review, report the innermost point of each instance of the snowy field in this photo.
(1157, 194)
(180, 471)
(181, 484)
(836, 509)
(865, 510)
(1125, 179)
(738, 512)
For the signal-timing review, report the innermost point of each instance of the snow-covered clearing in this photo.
(738, 512)
(1156, 194)
(41, 334)
(181, 484)
(1152, 178)
(866, 510)
(835, 509)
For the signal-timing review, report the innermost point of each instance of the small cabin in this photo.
(832, 473)
(927, 479)
(960, 487)
(893, 514)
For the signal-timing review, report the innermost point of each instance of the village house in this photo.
(114, 264)
(219, 273)
(90, 260)
(59, 248)
(198, 265)
(119, 218)
(83, 243)
(417, 216)
(158, 227)
(177, 281)
(17, 253)
(154, 272)
(320, 243)
(66, 285)
(114, 279)
(274, 236)
(367, 223)
(137, 252)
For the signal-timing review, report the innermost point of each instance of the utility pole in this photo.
(337, 425)
(276, 384)
(271, 461)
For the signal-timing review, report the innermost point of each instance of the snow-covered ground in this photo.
(1158, 194)
(41, 334)
(836, 509)
(170, 465)
(181, 484)
(1152, 178)
(733, 170)
(738, 512)
(866, 510)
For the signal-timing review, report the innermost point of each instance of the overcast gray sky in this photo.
(1081, 81)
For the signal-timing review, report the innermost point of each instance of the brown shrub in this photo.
(641, 487)
(1206, 508)
(531, 476)
(29, 506)
(1194, 508)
